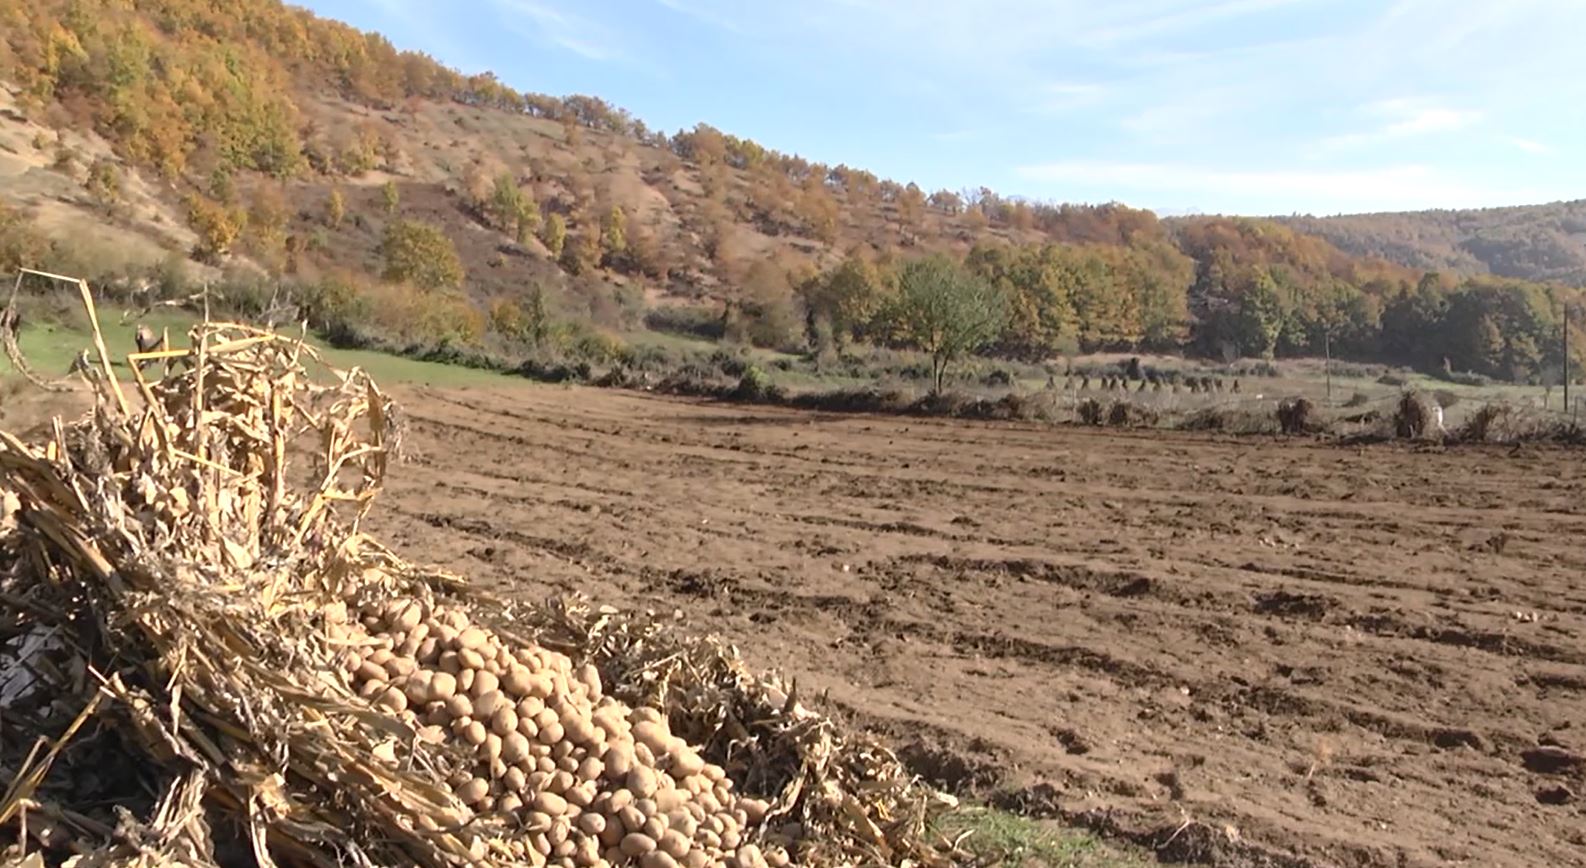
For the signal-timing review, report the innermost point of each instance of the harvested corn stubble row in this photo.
(204, 662)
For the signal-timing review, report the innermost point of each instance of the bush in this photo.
(756, 387)
(1395, 380)
(1445, 398)
(1229, 420)
(1412, 417)
(1090, 412)
(1358, 399)
(1123, 414)
(1468, 378)
(857, 399)
(1297, 416)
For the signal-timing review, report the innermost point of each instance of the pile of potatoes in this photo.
(588, 781)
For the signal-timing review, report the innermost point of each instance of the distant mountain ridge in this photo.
(1531, 242)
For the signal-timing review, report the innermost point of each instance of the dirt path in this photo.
(1310, 655)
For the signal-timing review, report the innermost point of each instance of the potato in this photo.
(459, 706)
(578, 730)
(442, 686)
(696, 858)
(474, 733)
(418, 688)
(619, 762)
(632, 818)
(393, 700)
(513, 780)
(590, 769)
(368, 670)
(372, 689)
(749, 856)
(655, 827)
(514, 748)
(484, 682)
(400, 667)
(517, 681)
(510, 803)
(491, 749)
(465, 677)
(551, 734)
(472, 638)
(591, 824)
(528, 728)
(448, 663)
(636, 844)
(686, 762)
(471, 792)
(485, 705)
(674, 843)
(550, 804)
(669, 800)
(642, 782)
(505, 721)
(379, 656)
(657, 859)
(645, 714)
(754, 810)
(562, 781)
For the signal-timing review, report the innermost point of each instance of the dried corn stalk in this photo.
(166, 567)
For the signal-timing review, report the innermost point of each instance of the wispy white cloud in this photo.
(569, 30)
(1404, 118)
(1065, 96)
(1391, 188)
(1531, 146)
(703, 11)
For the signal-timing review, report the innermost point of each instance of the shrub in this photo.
(690, 320)
(1358, 399)
(1123, 414)
(1391, 379)
(1412, 417)
(756, 386)
(1230, 420)
(1090, 412)
(1445, 398)
(1297, 416)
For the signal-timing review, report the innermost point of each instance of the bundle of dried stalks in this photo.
(837, 798)
(177, 695)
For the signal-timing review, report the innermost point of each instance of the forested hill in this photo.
(399, 201)
(1530, 242)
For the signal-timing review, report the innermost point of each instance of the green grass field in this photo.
(51, 347)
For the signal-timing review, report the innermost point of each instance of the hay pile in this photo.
(203, 661)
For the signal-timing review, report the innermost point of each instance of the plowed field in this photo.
(1245, 651)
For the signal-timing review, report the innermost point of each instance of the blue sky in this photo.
(1217, 106)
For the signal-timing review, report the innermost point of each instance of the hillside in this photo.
(1531, 242)
(393, 201)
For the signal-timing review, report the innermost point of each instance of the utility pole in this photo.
(1327, 349)
(1567, 407)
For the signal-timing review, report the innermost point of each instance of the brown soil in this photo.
(1231, 650)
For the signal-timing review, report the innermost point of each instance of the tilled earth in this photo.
(1233, 650)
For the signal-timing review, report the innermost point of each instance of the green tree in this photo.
(421, 254)
(946, 312)
(391, 196)
(1260, 317)
(554, 234)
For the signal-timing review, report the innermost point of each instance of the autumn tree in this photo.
(104, 182)
(553, 234)
(946, 312)
(420, 254)
(581, 253)
(20, 245)
(614, 234)
(846, 298)
(216, 226)
(335, 208)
